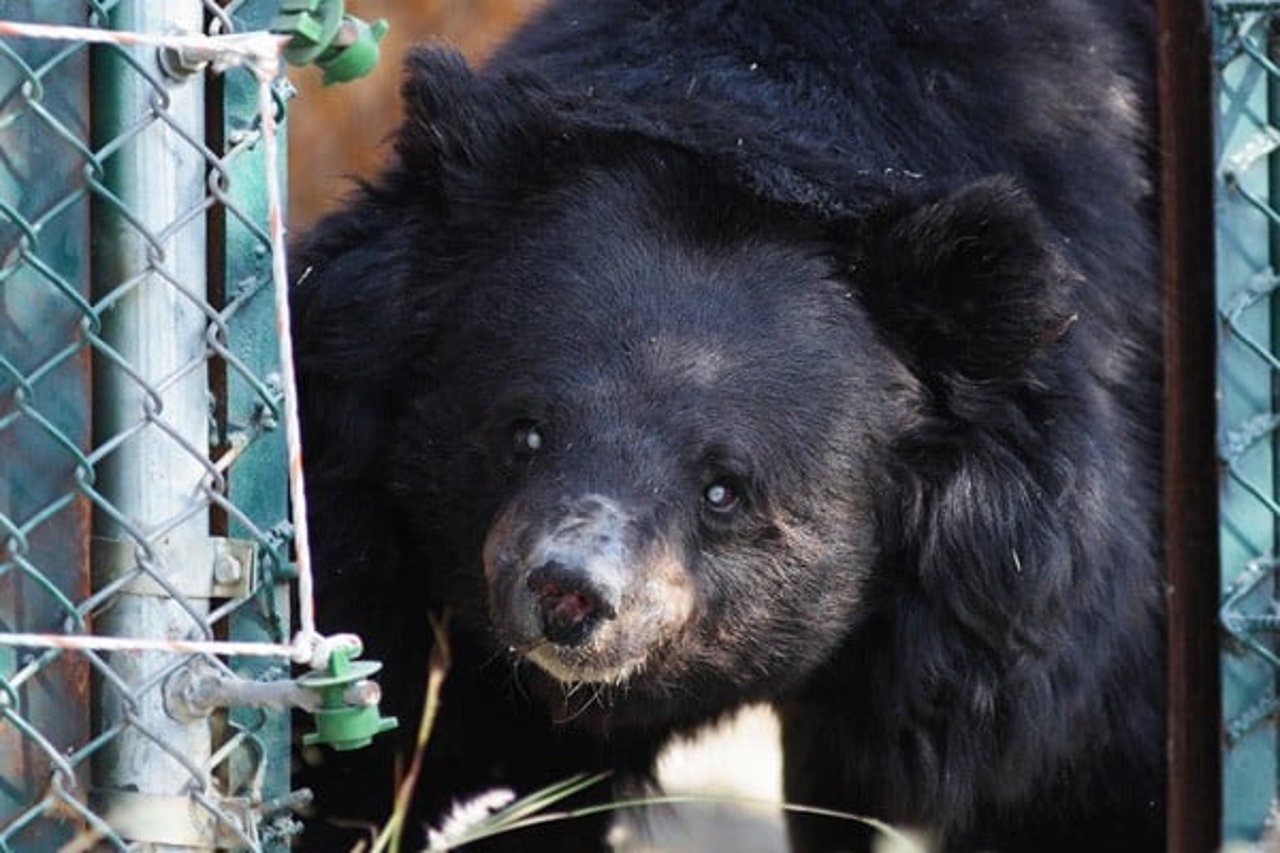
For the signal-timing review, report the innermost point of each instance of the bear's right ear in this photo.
(969, 284)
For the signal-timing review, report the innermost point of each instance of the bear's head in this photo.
(655, 432)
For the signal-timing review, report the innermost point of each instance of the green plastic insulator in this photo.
(354, 53)
(343, 47)
(341, 723)
(313, 24)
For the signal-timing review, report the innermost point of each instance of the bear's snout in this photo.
(582, 587)
(570, 601)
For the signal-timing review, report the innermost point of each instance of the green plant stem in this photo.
(389, 838)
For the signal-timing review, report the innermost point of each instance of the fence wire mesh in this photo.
(142, 470)
(1247, 44)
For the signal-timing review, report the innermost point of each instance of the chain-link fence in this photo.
(144, 542)
(1247, 44)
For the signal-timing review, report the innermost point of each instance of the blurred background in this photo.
(337, 132)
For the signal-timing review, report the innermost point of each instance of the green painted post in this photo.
(257, 481)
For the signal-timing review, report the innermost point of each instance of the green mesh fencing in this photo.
(1247, 45)
(142, 470)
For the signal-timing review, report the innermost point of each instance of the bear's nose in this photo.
(569, 602)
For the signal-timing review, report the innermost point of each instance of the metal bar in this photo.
(155, 274)
(1184, 71)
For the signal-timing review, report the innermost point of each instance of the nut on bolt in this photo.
(227, 569)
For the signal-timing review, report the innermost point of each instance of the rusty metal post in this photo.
(1190, 472)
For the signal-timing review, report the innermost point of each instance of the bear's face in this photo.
(667, 429)
(668, 419)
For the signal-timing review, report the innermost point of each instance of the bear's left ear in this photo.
(467, 133)
(968, 284)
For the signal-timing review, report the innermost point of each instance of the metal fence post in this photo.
(1190, 467)
(153, 408)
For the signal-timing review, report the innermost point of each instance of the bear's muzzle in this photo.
(582, 588)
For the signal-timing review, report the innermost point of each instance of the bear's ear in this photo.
(462, 126)
(968, 284)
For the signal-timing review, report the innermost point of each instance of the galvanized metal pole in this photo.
(150, 267)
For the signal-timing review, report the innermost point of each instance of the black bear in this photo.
(693, 354)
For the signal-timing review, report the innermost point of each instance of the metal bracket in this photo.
(233, 569)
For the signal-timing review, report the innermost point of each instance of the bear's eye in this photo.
(721, 495)
(527, 438)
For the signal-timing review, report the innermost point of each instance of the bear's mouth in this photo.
(576, 640)
(571, 666)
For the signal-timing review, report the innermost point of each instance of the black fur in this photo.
(883, 268)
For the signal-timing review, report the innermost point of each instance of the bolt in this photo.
(226, 568)
(180, 64)
(292, 801)
(232, 820)
(284, 89)
(265, 417)
(362, 693)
